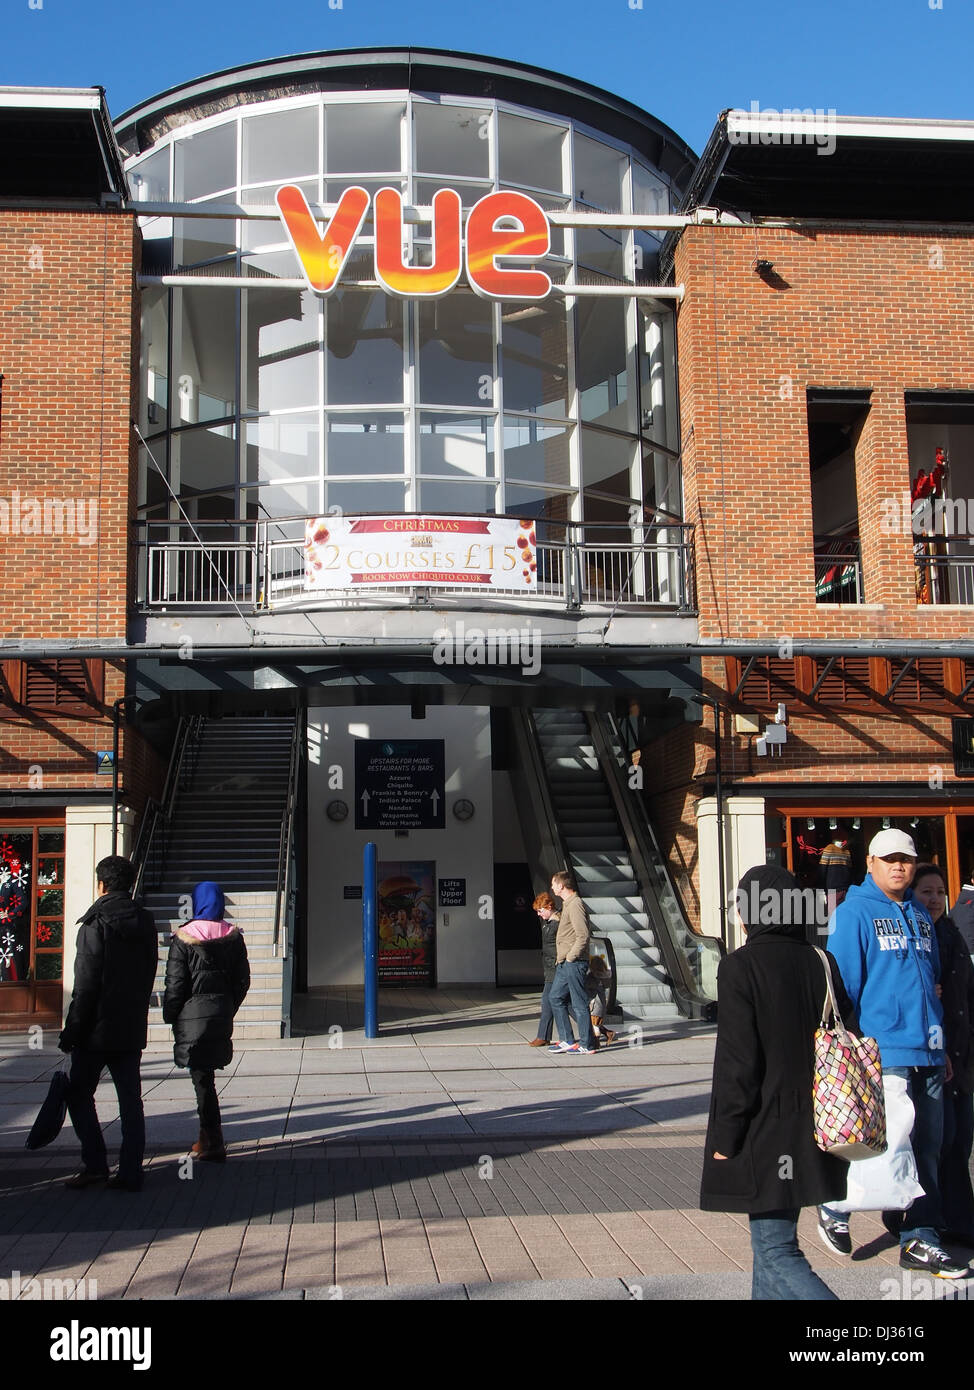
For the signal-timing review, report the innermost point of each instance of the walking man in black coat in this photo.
(107, 1023)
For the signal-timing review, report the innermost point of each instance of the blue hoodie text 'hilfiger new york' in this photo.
(887, 956)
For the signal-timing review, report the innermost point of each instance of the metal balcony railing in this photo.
(838, 571)
(260, 566)
(944, 569)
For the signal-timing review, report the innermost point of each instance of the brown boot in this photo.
(195, 1148)
(211, 1146)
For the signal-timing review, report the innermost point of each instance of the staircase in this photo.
(599, 858)
(226, 826)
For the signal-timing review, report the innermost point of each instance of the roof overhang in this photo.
(57, 146)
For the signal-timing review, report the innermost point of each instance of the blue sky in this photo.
(684, 60)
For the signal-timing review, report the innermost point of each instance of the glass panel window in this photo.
(601, 363)
(366, 444)
(362, 137)
(49, 934)
(536, 452)
(456, 350)
(155, 358)
(281, 447)
(258, 232)
(204, 354)
(441, 495)
(203, 460)
(199, 239)
(48, 966)
(364, 338)
(278, 499)
(50, 870)
(282, 145)
(456, 446)
(355, 498)
(535, 357)
(50, 841)
(16, 866)
(607, 475)
(206, 162)
(281, 347)
(148, 179)
(537, 502)
(531, 152)
(599, 174)
(452, 139)
(470, 193)
(602, 249)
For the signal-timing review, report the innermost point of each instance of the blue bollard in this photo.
(370, 940)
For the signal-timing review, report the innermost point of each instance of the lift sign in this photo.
(501, 226)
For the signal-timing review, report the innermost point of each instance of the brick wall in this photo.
(67, 308)
(862, 310)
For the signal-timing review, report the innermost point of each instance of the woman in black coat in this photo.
(761, 1156)
(207, 978)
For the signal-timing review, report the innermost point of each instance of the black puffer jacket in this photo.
(206, 982)
(957, 983)
(114, 971)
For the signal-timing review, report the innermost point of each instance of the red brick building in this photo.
(825, 346)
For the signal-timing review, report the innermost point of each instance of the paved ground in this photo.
(445, 1159)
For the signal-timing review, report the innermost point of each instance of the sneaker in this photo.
(561, 1047)
(86, 1179)
(834, 1233)
(917, 1254)
(577, 1047)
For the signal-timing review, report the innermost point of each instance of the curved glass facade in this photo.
(272, 402)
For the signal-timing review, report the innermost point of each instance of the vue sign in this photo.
(501, 226)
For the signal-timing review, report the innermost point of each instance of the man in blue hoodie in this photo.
(886, 951)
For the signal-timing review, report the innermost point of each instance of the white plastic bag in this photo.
(887, 1182)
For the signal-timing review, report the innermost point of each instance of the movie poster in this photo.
(407, 922)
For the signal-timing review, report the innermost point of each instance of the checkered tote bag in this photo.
(850, 1113)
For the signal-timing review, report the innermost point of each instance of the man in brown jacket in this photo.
(571, 946)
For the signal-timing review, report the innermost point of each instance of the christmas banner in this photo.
(347, 552)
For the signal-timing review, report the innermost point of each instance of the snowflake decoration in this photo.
(4, 876)
(43, 932)
(6, 957)
(7, 939)
(20, 878)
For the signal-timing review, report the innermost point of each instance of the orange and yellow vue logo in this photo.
(501, 226)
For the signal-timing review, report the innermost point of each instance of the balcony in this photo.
(248, 567)
(944, 567)
(838, 571)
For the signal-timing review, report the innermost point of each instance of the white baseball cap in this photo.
(892, 842)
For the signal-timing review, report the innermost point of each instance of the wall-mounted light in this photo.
(833, 823)
(856, 823)
(886, 822)
(810, 823)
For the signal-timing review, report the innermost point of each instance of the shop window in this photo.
(282, 146)
(206, 162)
(65, 683)
(940, 440)
(835, 422)
(31, 918)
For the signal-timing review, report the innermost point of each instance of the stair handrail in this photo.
(691, 998)
(287, 831)
(159, 812)
(544, 842)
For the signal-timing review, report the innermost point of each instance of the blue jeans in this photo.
(569, 982)
(925, 1087)
(779, 1270)
(547, 1016)
(86, 1068)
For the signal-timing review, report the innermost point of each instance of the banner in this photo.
(407, 922)
(348, 552)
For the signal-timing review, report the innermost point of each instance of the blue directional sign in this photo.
(399, 784)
